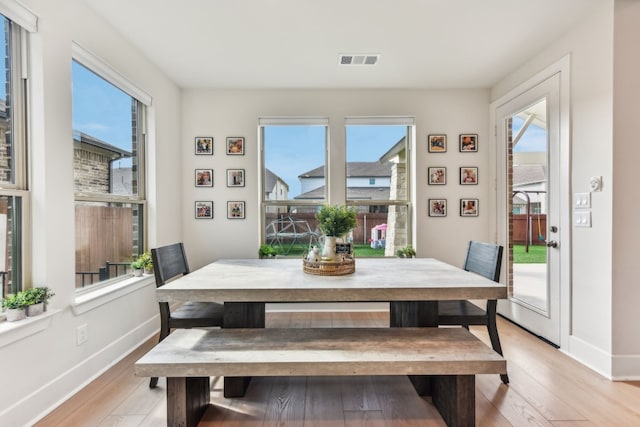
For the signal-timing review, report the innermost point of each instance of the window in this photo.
(377, 182)
(13, 188)
(108, 149)
(293, 180)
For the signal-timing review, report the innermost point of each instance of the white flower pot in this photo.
(35, 309)
(137, 272)
(14, 314)
(329, 248)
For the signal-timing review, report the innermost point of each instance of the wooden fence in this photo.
(535, 230)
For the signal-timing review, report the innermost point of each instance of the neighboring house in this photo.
(275, 188)
(365, 181)
(531, 179)
(93, 166)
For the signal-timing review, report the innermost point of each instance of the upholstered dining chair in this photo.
(484, 259)
(170, 262)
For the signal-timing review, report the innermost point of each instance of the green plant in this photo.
(38, 294)
(266, 251)
(147, 260)
(138, 264)
(406, 252)
(336, 220)
(14, 301)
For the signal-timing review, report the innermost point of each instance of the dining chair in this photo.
(484, 259)
(170, 262)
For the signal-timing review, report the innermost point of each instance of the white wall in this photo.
(626, 203)
(222, 113)
(46, 367)
(592, 153)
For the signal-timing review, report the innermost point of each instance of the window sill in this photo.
(91, 300)
(14, 331)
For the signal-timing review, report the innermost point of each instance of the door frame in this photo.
(562, 67)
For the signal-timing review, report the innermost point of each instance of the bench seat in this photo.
(189, 357)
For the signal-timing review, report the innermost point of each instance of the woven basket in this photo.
(329, 268)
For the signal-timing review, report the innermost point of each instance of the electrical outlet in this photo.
(82, 334)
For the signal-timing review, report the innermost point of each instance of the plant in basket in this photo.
(334, 221)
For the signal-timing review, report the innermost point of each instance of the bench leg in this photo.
(454, 396)
(187, 399)
(241, 315)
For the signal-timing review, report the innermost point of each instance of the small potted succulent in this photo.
(406, 252)
(36, 299)
(147, 262)
(138, 267)
(266, 251)
(14, 306)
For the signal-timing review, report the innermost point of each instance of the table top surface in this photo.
(374, 279)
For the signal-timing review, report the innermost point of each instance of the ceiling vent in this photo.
(358, 59)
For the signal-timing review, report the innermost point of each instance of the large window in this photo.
(108, 149)
(293, 180)
(13, 187)
(296, 177)
(377, 182)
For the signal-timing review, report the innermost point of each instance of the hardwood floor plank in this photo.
(323, 403)
(286, 403)
(487, 415)
(122, 421)
(403, 407)
(364, 419)
(358, 393)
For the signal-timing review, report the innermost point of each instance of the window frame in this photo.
(143, 102)
(18, 187)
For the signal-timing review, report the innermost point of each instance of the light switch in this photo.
(582, 201)
(582, 218)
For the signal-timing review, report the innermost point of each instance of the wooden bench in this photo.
(451, 357)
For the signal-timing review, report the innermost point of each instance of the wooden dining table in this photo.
(412, 287)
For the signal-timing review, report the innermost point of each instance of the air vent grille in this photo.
(358, 59)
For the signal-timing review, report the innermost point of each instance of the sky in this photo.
(533, 140)
(293, 150)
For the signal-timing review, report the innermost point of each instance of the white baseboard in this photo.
(73, 380)
(589, 355)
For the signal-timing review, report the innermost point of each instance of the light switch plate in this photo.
(582, 218)
(582, 201)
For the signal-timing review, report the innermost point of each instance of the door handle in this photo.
(551, 244)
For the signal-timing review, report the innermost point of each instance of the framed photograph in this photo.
(235, 210)
(468, 207)
(204, 210)
(468, 175)
(204, 145)
(235, 145)
(204, 177)
(235, 177)
(437, 143)
(468, 142)
(437, 175)
(437, 207)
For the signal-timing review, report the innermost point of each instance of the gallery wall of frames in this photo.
(465, 174)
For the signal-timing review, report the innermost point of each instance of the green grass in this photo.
(537, 254)
(360, 250)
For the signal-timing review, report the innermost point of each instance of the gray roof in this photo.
(528, 174)
(355, 169)
(353, 193)
(270, 180)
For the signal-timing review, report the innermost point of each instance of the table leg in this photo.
(241, 315)
(415, 314)
(455, 398)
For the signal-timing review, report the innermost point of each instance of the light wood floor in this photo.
(547, 389)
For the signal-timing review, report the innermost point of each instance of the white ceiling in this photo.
(296, 43)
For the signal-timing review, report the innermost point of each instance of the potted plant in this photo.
(334, 222)
(406, 252)
(138, 267)
(266, 251)
(14, 305)
(36, 299)
(147, 262)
